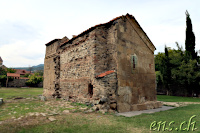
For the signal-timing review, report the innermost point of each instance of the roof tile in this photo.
(105, 73)
(13, 75)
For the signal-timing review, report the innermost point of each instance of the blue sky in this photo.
(27, 25)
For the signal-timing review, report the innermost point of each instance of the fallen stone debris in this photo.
(1, 101)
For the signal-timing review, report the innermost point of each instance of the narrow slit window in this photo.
(133, 62)
(90, 90)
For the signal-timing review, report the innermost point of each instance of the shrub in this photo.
(34, 80)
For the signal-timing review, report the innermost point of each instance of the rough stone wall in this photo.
(136, 86)
(104, 60)
(76, 68)
(81, 62)
(96, 68)
(49, 69)
(17, 83)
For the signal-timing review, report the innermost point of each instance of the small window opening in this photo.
(133, 62)
(90, 90)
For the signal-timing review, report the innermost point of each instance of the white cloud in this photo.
(26, 25)
(22, 53)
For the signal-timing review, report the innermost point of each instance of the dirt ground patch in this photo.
(57, 112)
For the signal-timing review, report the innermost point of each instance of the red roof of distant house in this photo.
(105, 73)
(13, 75)
(21, 71)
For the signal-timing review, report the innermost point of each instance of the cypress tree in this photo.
(190, 39)
(166, 71)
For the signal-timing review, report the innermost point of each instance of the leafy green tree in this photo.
(2, 71)
(167, 74)
(189, 76)
(159, 82)
(184, 75)
(178, 68)
(25, 75)
(3, 76)
(34, 79)
(190, 39)
(40, 72)
(158, 61)
(11, 70)
(165, 70)
(176, 57)
(159, 69)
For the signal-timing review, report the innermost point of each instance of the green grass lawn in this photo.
(8, 93)
(80, 122)
(165, 98)
(77, 123)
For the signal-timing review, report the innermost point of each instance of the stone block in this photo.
(134, 107)
(113, 106)
(156, 105)
(123, 107)
(159, 104)
(141, 106)
(149, 105)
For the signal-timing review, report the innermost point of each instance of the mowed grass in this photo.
(81, 122)
(89, 123)
(9, 93)
(165, 98)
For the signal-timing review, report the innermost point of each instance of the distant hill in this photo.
(34, 68)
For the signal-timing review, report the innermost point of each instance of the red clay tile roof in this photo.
(13, 75)
(108, 24)
(21, 71)
(1, 59)
(105, 73)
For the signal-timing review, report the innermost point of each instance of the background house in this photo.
(22, 72)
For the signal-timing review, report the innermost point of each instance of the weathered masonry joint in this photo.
(110, 65)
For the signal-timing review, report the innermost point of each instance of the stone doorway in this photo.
(90, 90)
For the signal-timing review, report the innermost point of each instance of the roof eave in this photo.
(52, 41)
(130, 16)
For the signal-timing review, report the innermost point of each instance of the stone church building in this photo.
(109, 65)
